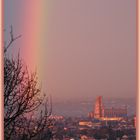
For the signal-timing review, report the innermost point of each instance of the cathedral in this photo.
(103, 113)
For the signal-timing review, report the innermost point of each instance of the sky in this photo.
(80, 48)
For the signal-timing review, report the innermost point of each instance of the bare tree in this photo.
(22, 99)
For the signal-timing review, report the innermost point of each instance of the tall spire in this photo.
(98, 110)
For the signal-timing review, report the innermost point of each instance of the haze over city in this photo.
(70, 70)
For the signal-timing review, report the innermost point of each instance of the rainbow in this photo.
(34, 28)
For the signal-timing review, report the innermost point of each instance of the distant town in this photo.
(101, 123)
(80, 107)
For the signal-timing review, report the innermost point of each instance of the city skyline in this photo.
(70, 70)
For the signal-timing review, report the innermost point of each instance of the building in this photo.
(115, 112)
(103, 113)
(135, 122)
(98, 109)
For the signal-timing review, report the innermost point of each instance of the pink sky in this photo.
(88, 47)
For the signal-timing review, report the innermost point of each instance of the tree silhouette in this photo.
(22, 99)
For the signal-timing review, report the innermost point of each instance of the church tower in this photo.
(98, 108)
